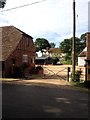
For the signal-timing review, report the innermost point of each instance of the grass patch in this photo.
(68, 62)
(78, 84)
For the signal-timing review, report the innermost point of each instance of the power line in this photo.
(22, 6)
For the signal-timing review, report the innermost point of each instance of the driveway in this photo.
(37, 101)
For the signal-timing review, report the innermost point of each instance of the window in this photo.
(25, 58)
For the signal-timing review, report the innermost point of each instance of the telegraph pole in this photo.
(73, 43)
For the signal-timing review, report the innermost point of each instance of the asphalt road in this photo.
(30, 101)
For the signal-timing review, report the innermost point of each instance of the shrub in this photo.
(77, 75)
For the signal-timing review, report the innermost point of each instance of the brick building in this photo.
(82, 57)
(88, 59)
(17, 53)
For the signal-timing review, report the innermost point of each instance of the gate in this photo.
(56, 72)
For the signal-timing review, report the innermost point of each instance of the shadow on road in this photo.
(30, 101)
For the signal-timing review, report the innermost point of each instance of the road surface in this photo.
(30, 101)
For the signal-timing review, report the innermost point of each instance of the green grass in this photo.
(68, 62)
(78, 84)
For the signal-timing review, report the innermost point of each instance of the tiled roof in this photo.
(54, 50)
(83, 53)
(10, 36)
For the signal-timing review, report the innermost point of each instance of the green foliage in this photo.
(78, 84)
(2, 3)
(52, 45)
(41, 43)
(83, 37)
(66, 47)
(64, 62)
(55, 60)
(77, 76)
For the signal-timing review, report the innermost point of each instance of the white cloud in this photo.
(47, 19)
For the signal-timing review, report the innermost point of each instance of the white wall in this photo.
(81, 61)
(39, 54)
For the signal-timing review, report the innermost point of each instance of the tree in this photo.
(41, 43)
(2, 3)
(66, 46)
(52, 45)
(83, 38)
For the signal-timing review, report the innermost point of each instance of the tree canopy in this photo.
(52, 45)
(2, 3)
(66, 46)
(42, 43)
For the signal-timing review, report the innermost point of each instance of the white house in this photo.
(82, 57)
(41, 54)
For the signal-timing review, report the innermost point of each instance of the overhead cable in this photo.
(22, 6)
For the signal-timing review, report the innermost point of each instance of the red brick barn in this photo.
(18, 52)
(88, 60)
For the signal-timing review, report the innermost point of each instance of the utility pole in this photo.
(73, 43)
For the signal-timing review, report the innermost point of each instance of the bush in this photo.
(68, 62)
(77, 75)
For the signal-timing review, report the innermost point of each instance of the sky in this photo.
(49, 19)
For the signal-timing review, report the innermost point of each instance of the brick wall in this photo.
(88, 55)
(88, 46)
(25, 47)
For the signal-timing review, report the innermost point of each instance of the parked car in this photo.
(59, 63)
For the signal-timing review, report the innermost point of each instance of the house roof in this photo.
(54, 50)
(10, 36)
(41, 58)
(83, 53)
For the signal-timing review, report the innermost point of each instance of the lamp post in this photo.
(73, 43)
